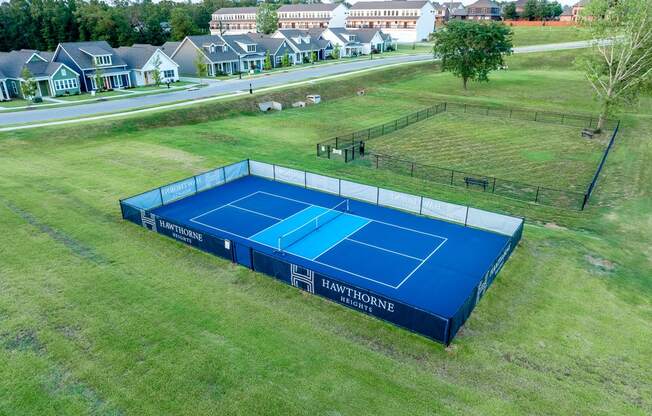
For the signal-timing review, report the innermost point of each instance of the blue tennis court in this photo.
(422, 273)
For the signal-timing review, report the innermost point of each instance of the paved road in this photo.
(232, 86)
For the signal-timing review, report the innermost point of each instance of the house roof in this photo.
(568, 11)
(267, 42)
(79, 52)
(12, 64)
(484, 3)
(218, 55)
(365, 35)
(136, 56)
(235, 10)
(311, 45)
(170, 47)
(389, 5)
(314, 7)
(234, 42)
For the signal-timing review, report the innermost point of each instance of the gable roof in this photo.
(12, 64)
(313, 7)
(218, 55)
(138, 55)
(81, 52)
(235, 10)
(234, 42)
(484, 3)
(389, 5)
(313, 44)
(267, 42)
(170, 47)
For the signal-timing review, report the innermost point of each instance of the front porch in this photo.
(110, 81)
(4, 92)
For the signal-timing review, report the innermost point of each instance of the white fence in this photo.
(499, 223)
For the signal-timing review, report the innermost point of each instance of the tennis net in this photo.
(291, 237)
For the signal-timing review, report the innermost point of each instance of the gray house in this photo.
(52, 78)
(85, 57)
(304, 44)
(228, 54)
(276, 47)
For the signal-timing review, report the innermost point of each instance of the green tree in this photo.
(99, 84)
(267, 65)
(620, 67)
(28, 85)
(201, 67)
(509, 11)
(530, 10)
(471, 50)
(156, 72)
(335, 54)
(285, 61)
(181, 23)
(266, 18)
(314, 56)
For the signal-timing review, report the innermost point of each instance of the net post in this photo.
(274, 171)
(421, 205)
(160, 194)
(466, 217)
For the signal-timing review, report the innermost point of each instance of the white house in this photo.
(309, 16)
(405, 21)
(353, 42)
(142, 61)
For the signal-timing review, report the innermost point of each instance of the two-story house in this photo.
(143, 60)
(89, 58)
(483, 10)
(405, 21)
(305, 44)
(233, 21)
(309, 16)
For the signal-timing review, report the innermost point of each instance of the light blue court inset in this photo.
(317, 242)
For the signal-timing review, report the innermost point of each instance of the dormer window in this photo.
(103, 60)
(251, 48)
(225, 48)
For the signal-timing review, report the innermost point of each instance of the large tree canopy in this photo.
(42, 24)
(472, 50)
(621, 64)
(266, 18)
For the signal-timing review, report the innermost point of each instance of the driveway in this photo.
(232, 86)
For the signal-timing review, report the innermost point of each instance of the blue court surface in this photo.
(389, 258)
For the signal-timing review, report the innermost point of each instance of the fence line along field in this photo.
(546, 154)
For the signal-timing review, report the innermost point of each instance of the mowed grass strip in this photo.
(543, 154)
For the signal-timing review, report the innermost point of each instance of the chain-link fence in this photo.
(351, 147)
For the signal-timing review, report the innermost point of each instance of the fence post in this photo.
(466, 217)
(412, 169)
(337, 142)
(328, 147)
(536, 197)
(421, 205)
(274, 171)
(493, 189)
(452, 173)
(376, 161)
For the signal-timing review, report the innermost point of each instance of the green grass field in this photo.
(536, 35)
(543, 154)
(98, 316)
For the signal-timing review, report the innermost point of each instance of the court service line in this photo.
(421, 264)
(253, 212)
(366, 218)
(301, 257)
(222, 206)
(384, 249)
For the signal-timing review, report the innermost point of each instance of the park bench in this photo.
(588, 133)
(476, 181)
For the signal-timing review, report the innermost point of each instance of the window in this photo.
(103, 60)
(65, 84)
(63, 72)
(245, 65)
(168, 74)
(251, 48)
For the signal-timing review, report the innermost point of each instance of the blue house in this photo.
(87, 57)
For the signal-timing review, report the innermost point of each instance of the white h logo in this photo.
(148, 221)
(302, 278)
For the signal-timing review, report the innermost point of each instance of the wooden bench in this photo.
(476, 181)
(589, 133)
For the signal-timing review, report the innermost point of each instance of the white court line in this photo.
(301, 257)
(359, 216)
(421, 264)
(222, 206)
(287, 218)
(342, 239)
(384, 249)
(253, 212)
